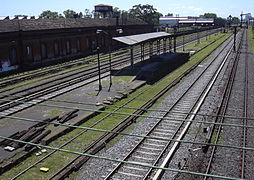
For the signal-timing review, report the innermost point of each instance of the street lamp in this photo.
(98, 31)
(98, 58)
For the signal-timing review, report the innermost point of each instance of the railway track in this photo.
(223, 111)
(71, 141)
(43, 91)
(150, 151)
(78, 136)
(84, 61)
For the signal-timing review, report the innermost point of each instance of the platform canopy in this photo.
(140, 38)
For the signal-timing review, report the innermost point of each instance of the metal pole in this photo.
(174, 43)
(198, 36)
(234, 38)
(150, 49)
(158, 49)
(99, 68)
(110, 75)
(131, 56)
(164, 46)
(98, 59)
(175, 29)
(170, 44)
(206, 34)
(183, 43)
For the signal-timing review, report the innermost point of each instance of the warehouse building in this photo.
(28, 42)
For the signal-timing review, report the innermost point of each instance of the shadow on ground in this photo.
(154, 69)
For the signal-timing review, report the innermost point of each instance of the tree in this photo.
(235, 20)
(169, 14)
(88, 14)
(70, 14)
(146, 12)
(49, 14)
(210, 15)
(80, 15)
(218, 21)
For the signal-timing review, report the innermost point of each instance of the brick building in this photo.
(28, 42)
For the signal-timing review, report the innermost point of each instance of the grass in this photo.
(54, 112)
(251, 39)
(56, 161)
(213, 139)
(91, 93)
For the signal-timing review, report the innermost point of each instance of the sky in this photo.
(223, 8)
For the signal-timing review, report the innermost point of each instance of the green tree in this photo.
(146, 12)
(80, 15)
(70, 14)
(218, 21)
(88, 14)
(235, 20)
(210, 15)
(169, 14)
(49, 14)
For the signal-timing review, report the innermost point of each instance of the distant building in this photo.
(28, 42)
(103, 10)
(170, 21)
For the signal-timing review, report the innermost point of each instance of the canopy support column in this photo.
(150, 49)
(158, 46)
(164, 46)
(132, 56)
(170, 44)
(142, 52)
(174, 43)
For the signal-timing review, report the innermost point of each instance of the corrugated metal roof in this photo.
(136, 39)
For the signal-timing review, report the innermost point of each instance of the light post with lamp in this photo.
(98, 31)
(98, 59)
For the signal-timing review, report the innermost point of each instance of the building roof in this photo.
(7, 25)
(139, 38)
(197, 21)
(103, 5)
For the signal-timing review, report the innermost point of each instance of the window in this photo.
(13, 56)
(78, 45)
(29, 53)
(56, 49)
(44, 54)
(68, 47)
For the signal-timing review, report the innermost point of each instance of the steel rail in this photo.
(184, 131)
(223, 107)
(52, 89)
(152, 129)
(245, 110)
(55, 68)
(71, 140)
(116, 160)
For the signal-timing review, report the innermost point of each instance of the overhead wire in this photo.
(117, 160)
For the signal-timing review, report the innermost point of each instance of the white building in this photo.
(170, 21)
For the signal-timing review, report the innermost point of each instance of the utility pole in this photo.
(175, 30)
(235, 37)
(183, 43)
(98, 59)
